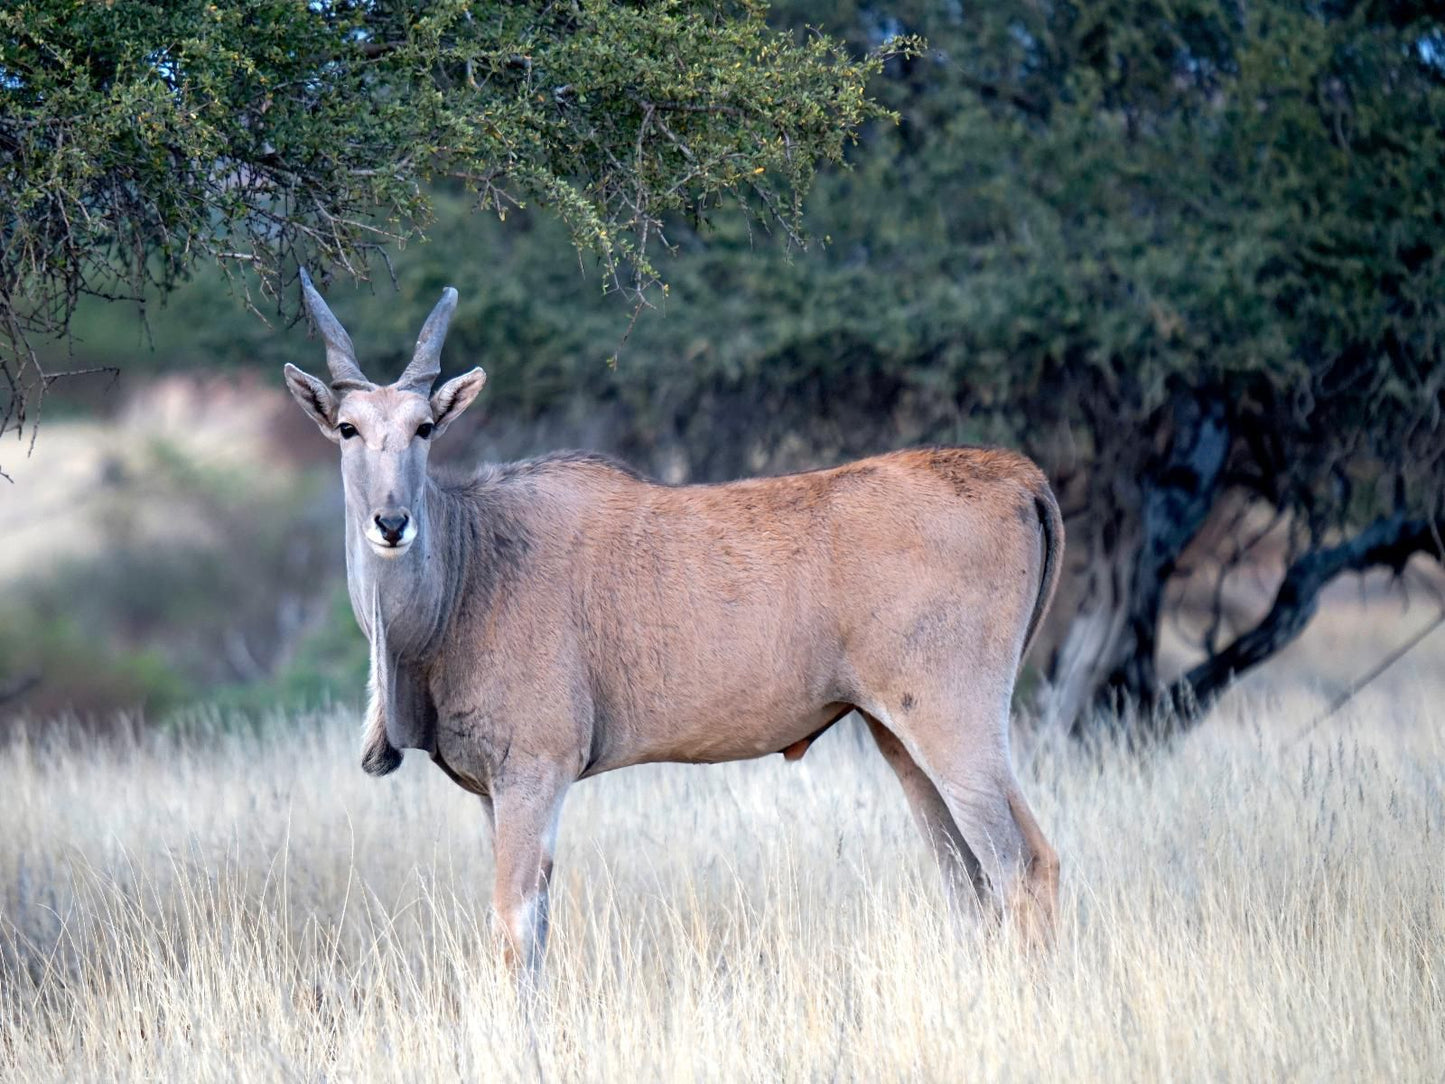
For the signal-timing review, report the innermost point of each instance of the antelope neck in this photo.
(414, 591)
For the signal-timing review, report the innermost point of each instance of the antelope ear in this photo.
(455, 396)
(315, 398)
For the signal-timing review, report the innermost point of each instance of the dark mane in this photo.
(465, 481)
(549, 461)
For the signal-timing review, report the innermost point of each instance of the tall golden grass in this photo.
(215, 905)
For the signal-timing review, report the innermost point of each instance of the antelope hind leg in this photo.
(1020, 865)
(968, 761)
(964, 886)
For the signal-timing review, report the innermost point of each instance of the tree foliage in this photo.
(1190, 256)
(140, 138)
(1194, 254)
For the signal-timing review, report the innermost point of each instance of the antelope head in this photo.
(385, 432)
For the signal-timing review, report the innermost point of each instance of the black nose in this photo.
(391, 525)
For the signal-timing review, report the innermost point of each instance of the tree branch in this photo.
(18, 686)
(1387, 542)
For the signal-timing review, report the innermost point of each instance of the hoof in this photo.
(381, 760)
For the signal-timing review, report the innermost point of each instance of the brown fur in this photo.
(545, 621)
(610, 621)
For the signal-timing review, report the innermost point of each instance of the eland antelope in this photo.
(536, 623)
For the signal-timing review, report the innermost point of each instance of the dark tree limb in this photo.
(993, 92)
(1388, 542)
(16, 687)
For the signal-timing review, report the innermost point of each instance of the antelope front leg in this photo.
(525, 812)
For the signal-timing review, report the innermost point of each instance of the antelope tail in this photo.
(1052, 522)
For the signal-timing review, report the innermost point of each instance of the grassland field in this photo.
(213, 903)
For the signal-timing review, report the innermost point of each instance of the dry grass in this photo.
(227, 907)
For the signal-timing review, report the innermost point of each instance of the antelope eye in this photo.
(424, 430)
(347, 430)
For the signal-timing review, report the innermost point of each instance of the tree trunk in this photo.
(1096, 607)
(1103, 673)
(1106, 662)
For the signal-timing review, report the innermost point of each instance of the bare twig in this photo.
(1356, 686)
